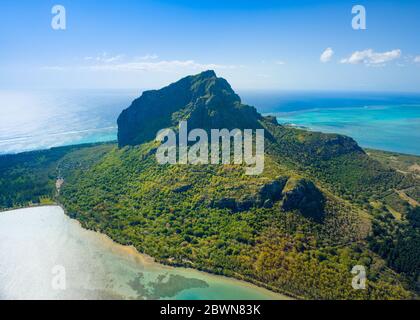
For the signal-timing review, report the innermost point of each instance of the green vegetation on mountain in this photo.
(321, 206)
(205, 100)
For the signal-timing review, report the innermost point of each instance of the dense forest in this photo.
(322, 205)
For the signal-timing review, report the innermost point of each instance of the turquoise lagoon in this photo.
(40, 245)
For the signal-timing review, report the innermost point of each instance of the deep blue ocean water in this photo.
(44, 119)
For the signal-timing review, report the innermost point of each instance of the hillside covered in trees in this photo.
(321, 206)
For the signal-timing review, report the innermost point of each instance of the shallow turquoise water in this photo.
(381, 120)
(393, 128)
(35, 241)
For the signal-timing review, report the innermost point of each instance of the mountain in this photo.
(205, 100)
(321, 206)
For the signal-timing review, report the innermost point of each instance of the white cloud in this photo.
(279, 62)
(326, 55)
(105, 58)
(163, 65)
(417, 59)
(149, 57)
(107, 63)
(370, 57)
(112, 59)
(54, 68)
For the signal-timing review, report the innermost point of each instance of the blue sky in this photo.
(274, 45)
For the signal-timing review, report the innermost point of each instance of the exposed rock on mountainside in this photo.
(304, 196)
(205, 100)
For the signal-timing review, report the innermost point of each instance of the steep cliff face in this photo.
(205, 100)
(208, 102)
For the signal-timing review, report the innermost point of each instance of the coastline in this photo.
(132, 250)
(387, 127)
(149, 261)
(54, 200)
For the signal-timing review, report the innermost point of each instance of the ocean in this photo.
(44, 119)
(34, 120)
(386, 121)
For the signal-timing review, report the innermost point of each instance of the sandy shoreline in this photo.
(146, 261)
